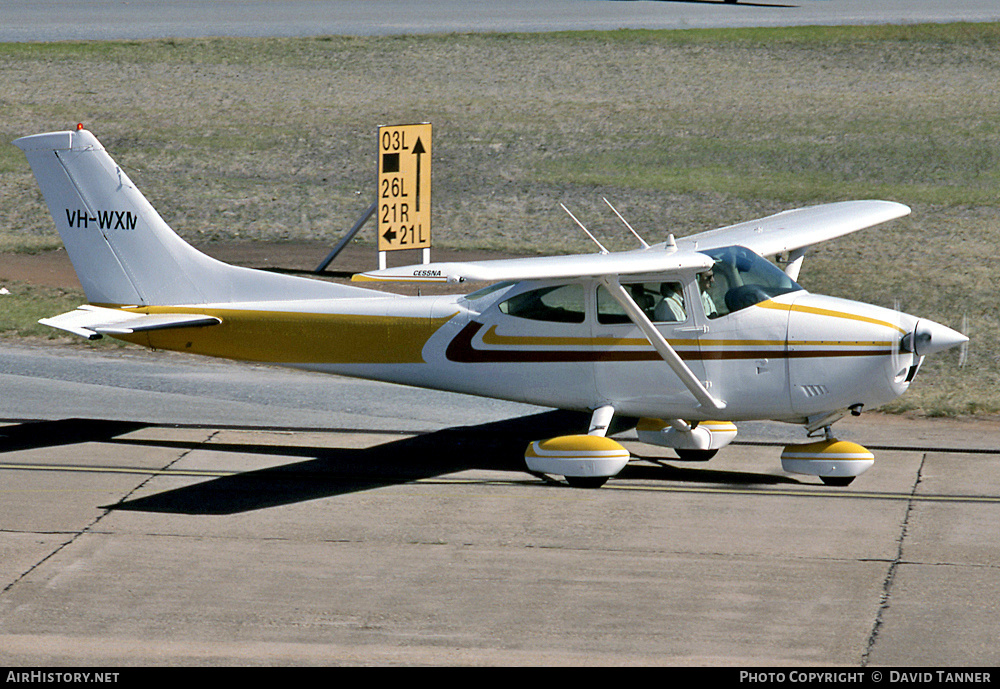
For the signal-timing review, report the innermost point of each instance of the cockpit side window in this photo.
(662, 302)
(739, 279)
(557, 304)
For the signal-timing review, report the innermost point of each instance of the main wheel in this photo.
(696, 455)
(586, 481)
(839, 481)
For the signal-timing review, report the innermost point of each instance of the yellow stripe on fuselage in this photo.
(828, 312)
(284, 337)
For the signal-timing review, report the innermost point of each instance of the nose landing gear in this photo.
(836, 462)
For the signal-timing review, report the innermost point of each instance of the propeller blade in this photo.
(963, 351)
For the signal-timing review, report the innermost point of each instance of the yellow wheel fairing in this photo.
(704, 436)
(577, 456)
(827, 458)
(577, 444)
(650, 424)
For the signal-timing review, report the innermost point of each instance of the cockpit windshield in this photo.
(739, 279)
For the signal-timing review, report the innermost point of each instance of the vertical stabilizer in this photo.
(123, 251)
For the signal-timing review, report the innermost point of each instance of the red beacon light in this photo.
(79, 126)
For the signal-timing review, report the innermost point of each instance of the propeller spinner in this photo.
(929, 337)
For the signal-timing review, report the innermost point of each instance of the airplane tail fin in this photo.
(123, 252)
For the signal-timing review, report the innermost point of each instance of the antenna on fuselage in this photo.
(603, 250)
(641, 240)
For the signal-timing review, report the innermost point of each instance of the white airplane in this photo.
(689, 336)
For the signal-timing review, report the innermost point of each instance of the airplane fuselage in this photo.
(788, 357)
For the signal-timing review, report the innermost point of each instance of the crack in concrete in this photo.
(890, 575)
(106, 511)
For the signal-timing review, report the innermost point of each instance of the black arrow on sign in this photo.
(389, 236)
(418, 150)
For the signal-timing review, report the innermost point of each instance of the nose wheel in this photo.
(837, 481)
(836, 462)
(586, 481)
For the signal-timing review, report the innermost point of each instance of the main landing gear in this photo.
(588, 461)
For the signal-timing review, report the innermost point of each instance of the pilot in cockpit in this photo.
(670, 308)
(706, 282)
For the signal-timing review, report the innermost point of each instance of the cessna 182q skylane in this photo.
(689, 335)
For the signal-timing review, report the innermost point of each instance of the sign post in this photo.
(404, 189)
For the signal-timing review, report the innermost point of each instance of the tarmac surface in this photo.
(57, 20)
(164, 510)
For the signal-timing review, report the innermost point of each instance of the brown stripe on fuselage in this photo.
(461, 350)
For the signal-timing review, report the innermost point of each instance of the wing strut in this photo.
(662, 347)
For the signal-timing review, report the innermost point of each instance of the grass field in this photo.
(682, 130)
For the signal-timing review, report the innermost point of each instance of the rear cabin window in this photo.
(662, 302)
(556, 304)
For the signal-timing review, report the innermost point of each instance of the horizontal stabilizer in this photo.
(92, 322)
(657, 261)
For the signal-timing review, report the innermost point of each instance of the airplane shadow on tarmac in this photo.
(34, 434)
(326, 472)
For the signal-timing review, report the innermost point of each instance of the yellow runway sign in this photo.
(404, 187)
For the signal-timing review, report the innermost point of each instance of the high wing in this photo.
(658, 260)
(795, 229)
(785, 231)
